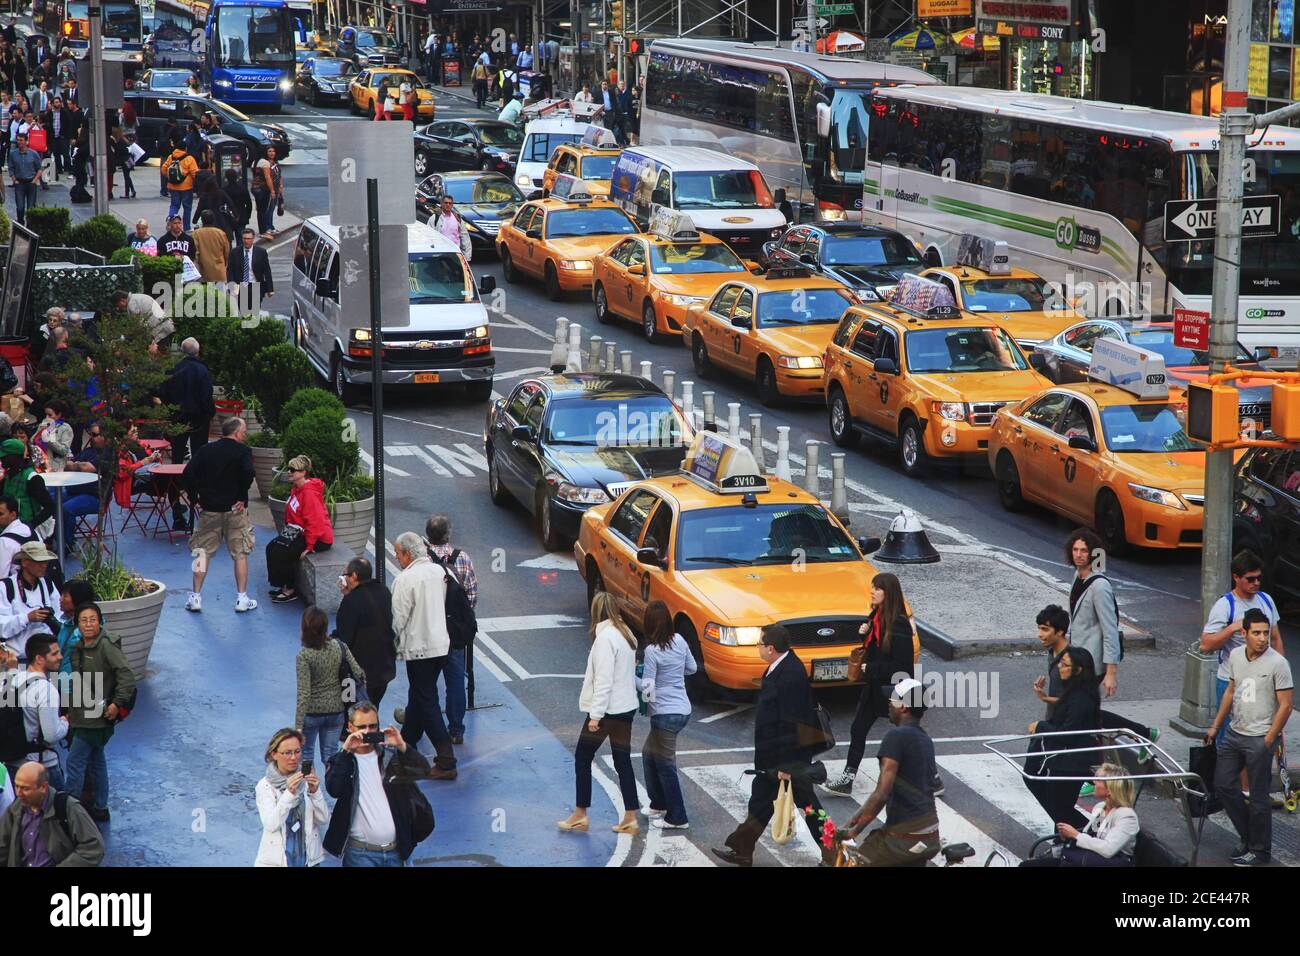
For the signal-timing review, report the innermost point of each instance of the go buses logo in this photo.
(1071, 235)
(1265, 313)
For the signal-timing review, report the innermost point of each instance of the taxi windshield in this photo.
(611, 422)
(600, 168)
(438, 277)
(1162, 341)
(684, 257)
(768, 534)
(801, 307)
(869, 251)
(566, 223)
(1149, 428)
(734, 189)
(488, 191)
(1010, 295)
(962, 350)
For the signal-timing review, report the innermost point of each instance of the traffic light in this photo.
(1286, 410)
(616, 16)
(75, 29)
(635, 46)
(1212, 414)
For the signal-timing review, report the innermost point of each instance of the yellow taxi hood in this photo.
(581, 247)
(703, 284)
(1033, 326)
(801, 339)
(767, 593)
(1006, 386)
(1182, 471)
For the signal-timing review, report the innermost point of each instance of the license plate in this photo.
(426, 378)
(837, 669)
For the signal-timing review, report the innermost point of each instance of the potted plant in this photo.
(268, 457)
(131, 604)
(328, 438)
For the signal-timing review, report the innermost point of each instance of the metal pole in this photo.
(98, 141)
(376, 376)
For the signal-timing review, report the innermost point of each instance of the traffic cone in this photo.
(906, 542)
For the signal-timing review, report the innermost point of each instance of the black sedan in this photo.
(1266, 516)
(484, 201)
(324, 80)
(154, 110)
(562, 443)
(467, 144)
(864, 258)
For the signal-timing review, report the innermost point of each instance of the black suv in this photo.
(154, 109)
(368, 47)
(1266, 515)
(864, 258)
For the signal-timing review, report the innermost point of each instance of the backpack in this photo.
(462, 625)
(175, 171)
(14, 742)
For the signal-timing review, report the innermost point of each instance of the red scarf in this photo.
(873, 633)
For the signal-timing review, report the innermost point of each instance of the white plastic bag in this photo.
(783, 814)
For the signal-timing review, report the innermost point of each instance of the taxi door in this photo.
(616, 549)
(859, 368)
(650, 579)
(1073, 471)
(534, 257)
(1032, 434)
(745, 343)
(889, 388)
(715, 327)
(512, 234)
(625, 288)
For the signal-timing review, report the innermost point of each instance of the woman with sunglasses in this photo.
(291, 804)
(306, 528)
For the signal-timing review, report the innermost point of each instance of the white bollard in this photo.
(783, 452)
(625, 360)
(646, 371)
(574, 362)
(610, 351)
(593, 357)
(688, 401)
(707, 398)
(670, 384)
(562, 331)
(733, 419)
(811, 480)
(839, 494)
(560, 351)
(756, 438)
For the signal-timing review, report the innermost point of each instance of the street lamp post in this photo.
(98, 133)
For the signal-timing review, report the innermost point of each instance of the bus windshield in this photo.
(122, 21)
(848, 135)
(1145, 428)
(962, 350)
(254, 36)
(1010, 295)
(688, 257)
(801, 307)
(1269, 265)
(737, 189)
(438, 278)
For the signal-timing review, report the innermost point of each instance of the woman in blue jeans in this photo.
(668, 661)
(323, 694)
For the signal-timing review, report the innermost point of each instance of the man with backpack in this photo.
(27, 598)
(45, 828)
(179, 170)
(13, 533)
(30, 723)
(462, 599)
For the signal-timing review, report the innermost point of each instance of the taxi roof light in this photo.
(923, 297)
(985, 254)
(1212, 413)
(1138, 371)
(571, 189)
(788, 272)
(600, 137)
(724, 466)
(673, 226)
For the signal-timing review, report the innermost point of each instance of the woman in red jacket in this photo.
(306, 528)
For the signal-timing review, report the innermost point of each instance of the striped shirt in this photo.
(464, 569)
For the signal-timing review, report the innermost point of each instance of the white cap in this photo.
(909, 692)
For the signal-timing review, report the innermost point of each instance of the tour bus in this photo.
(800, 117)
(1077, 190)
(250, 53)
(121, 27)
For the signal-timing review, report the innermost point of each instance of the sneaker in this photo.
(1251, 858)
(1086, 790)
(659, 823)
(1239, 850)
(399, 715)
(936, 785)
(180, 524)
(652, 813)
(245, 603)
(841, 785)
(194, 603)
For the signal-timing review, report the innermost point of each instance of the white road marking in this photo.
(518, 373)
(729, 787)
(460, 457)
(514, 351)
(519, 670)
(989, 774)
(369, 462)
(531, 622)
(551, 562)
(730, 712)
(491, 665)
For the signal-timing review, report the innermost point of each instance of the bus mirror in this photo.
(823, 120)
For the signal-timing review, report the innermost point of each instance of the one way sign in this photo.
(1196, 218)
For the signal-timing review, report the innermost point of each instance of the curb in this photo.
(948, 648)
(448, 91)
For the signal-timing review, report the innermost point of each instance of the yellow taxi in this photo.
(920, 375)
(984, 282)
(772, 328)
(654, 278)
(591, 160)
(1110, 453)
(731, 551)
(556, 239)
(369, 84)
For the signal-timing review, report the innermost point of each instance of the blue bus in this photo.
(250, 53)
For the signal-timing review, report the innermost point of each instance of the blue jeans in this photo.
(424, 712)
(355, 856)
(1220, 688)
(78, 506)
(182, 199)
(454, 677)
(24, 196)
(659, 761)
(327, 727)
(84, 757)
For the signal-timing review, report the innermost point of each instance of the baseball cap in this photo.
(36, 551)
(909, 692)
(12, 446)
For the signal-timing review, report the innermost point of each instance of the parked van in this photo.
(447, 342)
(541, 137)
(724, 196)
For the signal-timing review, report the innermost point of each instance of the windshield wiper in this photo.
(569, 441)
(784, 558)
(716, 559)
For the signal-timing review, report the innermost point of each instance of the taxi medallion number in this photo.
(426, 378)
(833, 669)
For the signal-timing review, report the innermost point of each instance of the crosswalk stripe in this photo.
(727, 785)
(990, 774)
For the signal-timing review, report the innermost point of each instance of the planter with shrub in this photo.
(230, 343)
(103, 234)
(132, 605)
(268, 456)
(53, 224)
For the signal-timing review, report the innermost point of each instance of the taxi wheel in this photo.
(698, 685)
(1008, 479)
(1110, 524)
(841, 421)
(911, 449)
(768, 393)
(700, 358)
(602, 305)
(650, 324)
(508, 270)
(496, 490)
(595, 583)
(552, 540)
(553, 290)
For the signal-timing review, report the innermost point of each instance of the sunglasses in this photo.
(1252, 578)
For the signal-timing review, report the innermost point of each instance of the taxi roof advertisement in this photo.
(1139, 371)
(1030, 19)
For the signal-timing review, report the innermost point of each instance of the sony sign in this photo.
(1039, 19)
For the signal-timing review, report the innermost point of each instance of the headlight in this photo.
(524, 181)
(1157, 496)
(479, 332)
(579, 495)
(685, 301)
(361, 335)
(953, 411)
(799, 361)
(469, 225)
(776, 233)
(576, 265)
(224, 84)
(732, 636)
(286, 85)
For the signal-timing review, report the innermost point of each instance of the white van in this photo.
(447, 343)
(540, 139)
(724, 196)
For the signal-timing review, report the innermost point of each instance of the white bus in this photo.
(1077, 190)
(766, 106)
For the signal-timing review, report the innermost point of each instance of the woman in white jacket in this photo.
(292, 821)
(609, 701)
(1110, 835)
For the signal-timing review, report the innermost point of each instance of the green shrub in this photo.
(80, 288)
(356, 487)
(221, 349)
(306, 400)
(326, 438)
(122, 257)
(54, 224)
(229, 346)
(4, 228)
(103, 234)
(263, 439)
(274, 374)
(157, 270)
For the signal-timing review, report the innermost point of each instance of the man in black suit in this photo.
(62, 126)
(250, 263)
(787, 736)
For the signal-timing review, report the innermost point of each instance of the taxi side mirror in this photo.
(487, 285)
(1038, 362)
(742, 321)
(886, 366)
(637, 270)
(1083, 443)
(534, 233)
(1264, 354)
(868, 545)
(649, 557)
(521, 433)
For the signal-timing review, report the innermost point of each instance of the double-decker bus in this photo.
(800, 117)
(1077, 189)
(249, 59)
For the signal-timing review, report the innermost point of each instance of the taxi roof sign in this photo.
(723, 465)
(600, 137)
(1136, 370)
(923, 297)
(672, 225)
(571, 189)
(984, 254)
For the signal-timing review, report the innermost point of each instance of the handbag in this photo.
(352, 687)
(1201, 760)
(783, 814)
(857, 664)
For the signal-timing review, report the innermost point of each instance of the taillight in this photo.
(478, 349)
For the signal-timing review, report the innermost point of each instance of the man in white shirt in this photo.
(13, 533)
(525, 59)
(27, 599)
(38, 696)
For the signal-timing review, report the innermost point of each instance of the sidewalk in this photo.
(184, 765)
